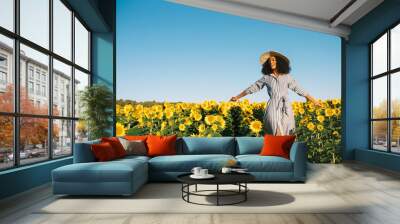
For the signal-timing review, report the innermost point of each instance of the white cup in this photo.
(226, 170)
(196, 171)
(203, 172)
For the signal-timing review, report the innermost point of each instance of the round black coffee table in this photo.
(238, 179)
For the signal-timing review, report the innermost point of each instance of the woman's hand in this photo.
(234, 99)
(314, 101)
(317, 103)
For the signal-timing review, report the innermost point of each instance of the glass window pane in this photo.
(81, 45)
(6, 142)
(34, 97)
(6, 74)
(62, 29)
(379, 55)
(379, 97)
(62, 138)
(395, 94)
(33, 139)
(395, 136)
(81, 131)
(81, 82)
(35, 21)
(395, 47)
(62, 89)
(7, 14)
(379, 135)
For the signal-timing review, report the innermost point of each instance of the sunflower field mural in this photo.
(319, 127)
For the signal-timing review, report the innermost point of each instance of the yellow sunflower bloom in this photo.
(335, 101)
(197, 117)
(335, 133)
(214, 127)
(163, 125)
(256, 126)
(169, 114)
(182, 127)
(120, 129)
(311, 126)
(301, 111)
(329, 112)
(202, 128)
(320, 118)
(320, 127)
(209, 119)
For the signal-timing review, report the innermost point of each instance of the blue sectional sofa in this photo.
(125, 176)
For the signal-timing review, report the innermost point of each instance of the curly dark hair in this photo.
(281, 65)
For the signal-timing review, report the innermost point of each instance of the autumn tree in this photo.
(33, 131)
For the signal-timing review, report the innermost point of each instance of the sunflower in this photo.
(163, 125)
(320, 118)
(335, 133)
(202, 128)
(188, 122)
(329, 112)
(320, 127)
(182, 127)
(311, 126)
(120, 129)
(337, 111)
(301, 111)
(210, 119)
(335, 101)
(197, 117)
(256, 126)
(214, 127)
(169, 114)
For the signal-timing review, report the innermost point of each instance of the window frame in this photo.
(16, 114)
(388, 74)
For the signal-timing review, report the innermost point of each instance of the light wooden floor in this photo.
(377, 188)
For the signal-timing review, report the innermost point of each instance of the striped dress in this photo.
(278, 113)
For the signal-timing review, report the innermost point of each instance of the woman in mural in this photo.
(278, 117)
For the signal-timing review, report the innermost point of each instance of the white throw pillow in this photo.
(134, 147)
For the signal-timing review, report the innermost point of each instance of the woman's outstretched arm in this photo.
(257, 86)
(236, 98)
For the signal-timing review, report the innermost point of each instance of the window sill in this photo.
(25, 167)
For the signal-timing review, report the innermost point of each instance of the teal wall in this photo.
(355, 84)
(99, 16)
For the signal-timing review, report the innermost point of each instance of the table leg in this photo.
(217, 194)
(196, 188)
(245, 193)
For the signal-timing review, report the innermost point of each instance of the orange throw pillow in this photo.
(277, 145)
(161, 145)
(103, 152)
(116, 145)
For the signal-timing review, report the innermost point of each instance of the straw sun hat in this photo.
(265, 56)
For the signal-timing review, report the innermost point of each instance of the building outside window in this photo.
(34, 75)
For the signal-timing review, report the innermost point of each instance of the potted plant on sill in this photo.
(96, 102)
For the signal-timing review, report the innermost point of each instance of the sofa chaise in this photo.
(125, 176)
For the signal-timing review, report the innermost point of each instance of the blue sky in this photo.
(172, 52)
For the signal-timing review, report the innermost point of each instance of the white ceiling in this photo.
(317, 15)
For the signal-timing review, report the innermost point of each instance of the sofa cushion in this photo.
(116, 145)
(161, 145)
(277, 145)
(83, 152)
(185, 163)
(249, 145)
(215, 145)
(112, 171)
(103, 152)
(257, 163)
